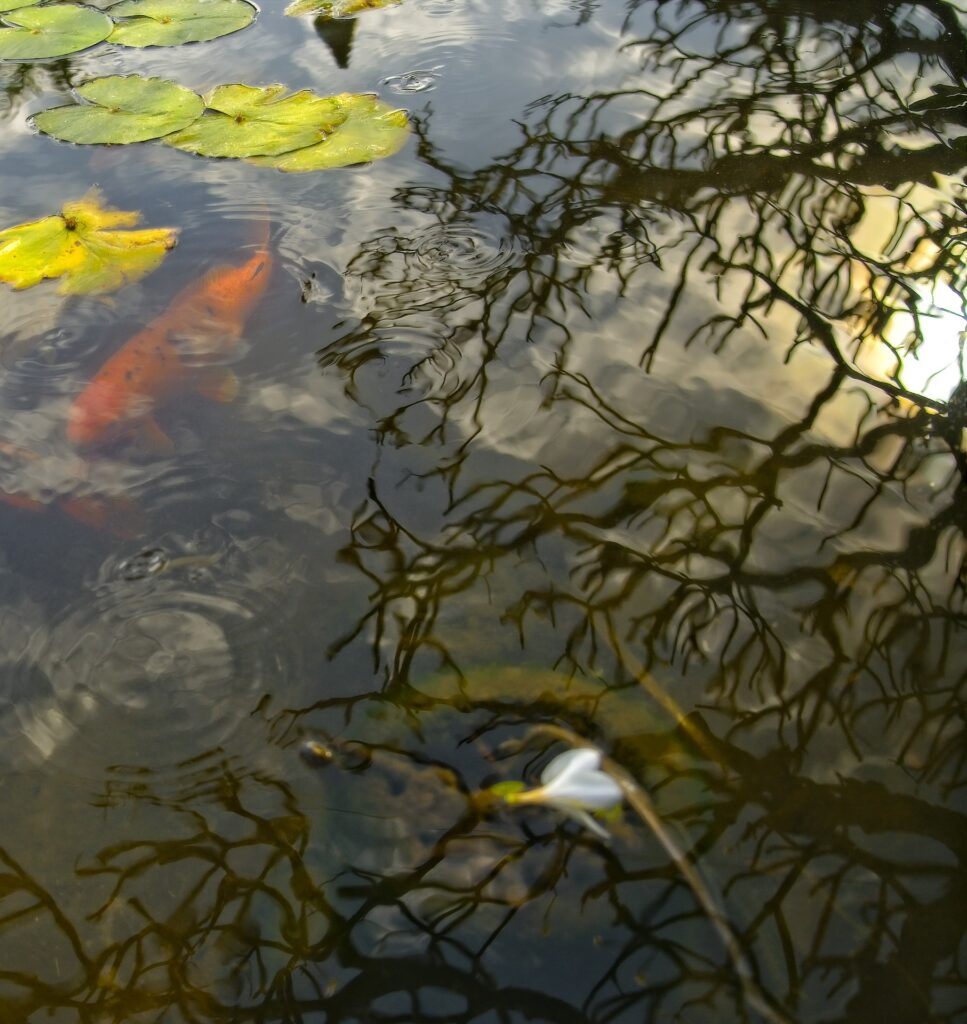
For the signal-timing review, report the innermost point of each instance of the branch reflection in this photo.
(655, 426)
(689, 362)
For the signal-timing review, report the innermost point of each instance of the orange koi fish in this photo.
(113, 514)
(177, 351)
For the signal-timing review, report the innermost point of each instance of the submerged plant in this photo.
(575, 782)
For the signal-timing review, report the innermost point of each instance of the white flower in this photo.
(575, 784)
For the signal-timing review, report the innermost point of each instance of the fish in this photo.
(178, 351)
(113, 514)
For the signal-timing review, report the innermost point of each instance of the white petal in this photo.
(592, 790)
(578, 759)
(585, 819)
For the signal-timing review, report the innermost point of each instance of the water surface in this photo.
(626, 400)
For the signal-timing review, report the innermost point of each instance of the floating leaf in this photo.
(271, 127)
(246, 121)
(13, 5)
(126, 108)
(52, 31)
(336, 8)
(170, 22)
(367, 130)
(79, 245)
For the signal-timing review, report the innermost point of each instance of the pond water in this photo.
(624, 404)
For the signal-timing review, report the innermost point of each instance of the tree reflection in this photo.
(783, 171)
(20, 79)
(758, 610)
(763, 185)
(282, 913)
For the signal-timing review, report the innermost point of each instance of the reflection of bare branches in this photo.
(429, 890)
(665, 547)
(771, 185)
(30, 899)
(758, 613)
(18, 79)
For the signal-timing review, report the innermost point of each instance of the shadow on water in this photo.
(663, 458)
(337, 34)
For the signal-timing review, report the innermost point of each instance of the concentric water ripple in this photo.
(466, 250)
(417, 80)
(154, 667)
(42, 326)
(602, 239)
(432, 268)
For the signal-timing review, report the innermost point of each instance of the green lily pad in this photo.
(83, 246)
(336, 8)
(13, 5)
(245, 121)
(125, 108)
(367, 130)
(52, 31)
(170, 22)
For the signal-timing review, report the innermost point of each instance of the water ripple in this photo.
(431, 266)
(417, 80)
(154, 667)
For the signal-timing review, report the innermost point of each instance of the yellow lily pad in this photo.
(86, 244)
(243, 121)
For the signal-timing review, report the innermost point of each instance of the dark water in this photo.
(627, 399)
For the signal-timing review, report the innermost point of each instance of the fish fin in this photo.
(151, 438)
(219, 385)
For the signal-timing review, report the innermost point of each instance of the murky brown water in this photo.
(626, 400)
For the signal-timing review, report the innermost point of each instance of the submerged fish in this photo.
(178, 351)
(111, 513)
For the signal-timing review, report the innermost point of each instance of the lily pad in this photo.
(244, 121)
(13, 5)
(52, 31)
(367, 130)
(124, 108)
(82, 245)
(336, 8)
(170, 22)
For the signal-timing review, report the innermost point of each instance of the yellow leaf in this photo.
(79, 245)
